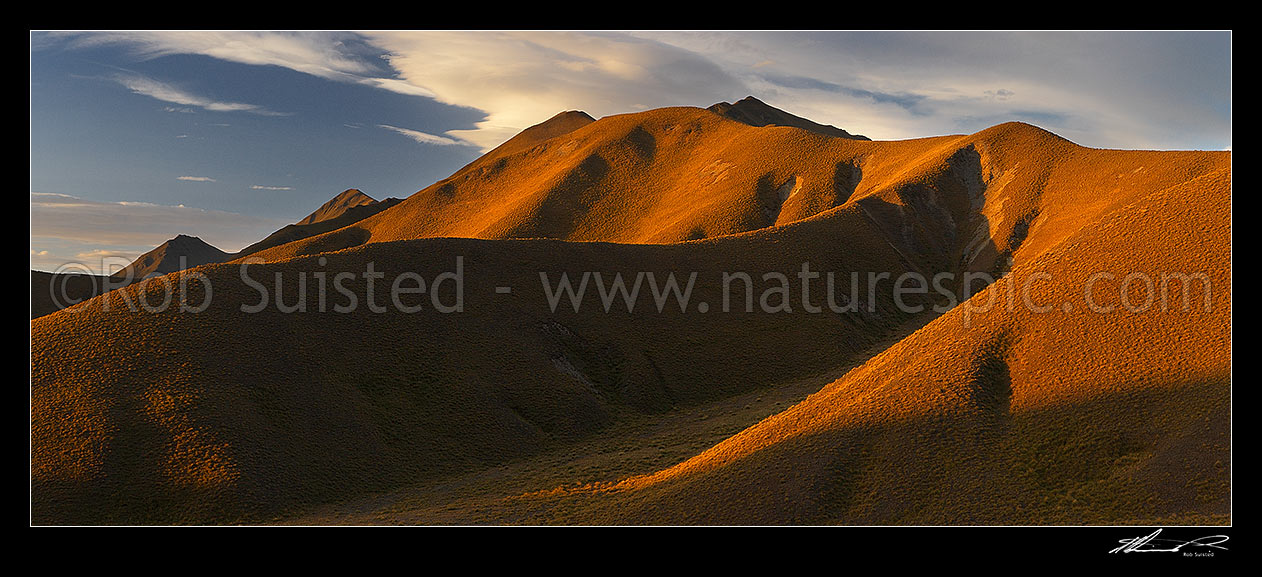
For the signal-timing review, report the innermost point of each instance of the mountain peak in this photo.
(338, 205)
(178, 253)
(754, 112)
(563, 122)
(184, 239)
(570, 115)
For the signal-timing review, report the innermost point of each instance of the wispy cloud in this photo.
(196, 178)
(174, 95)
(905, 100)
(337, 56)
(425, 137)
(102, 254)
(67, 229)
(262, 187)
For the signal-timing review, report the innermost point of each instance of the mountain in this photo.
(179, 253)
(467, 403)
(347, 208)
(659, 176)
(339, 205)
(754, 112)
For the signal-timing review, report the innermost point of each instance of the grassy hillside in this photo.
(140, 416)
(226, 415)
(1006, 416)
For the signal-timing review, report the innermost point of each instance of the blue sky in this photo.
(139, 136)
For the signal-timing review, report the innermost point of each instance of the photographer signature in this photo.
(1151, 544)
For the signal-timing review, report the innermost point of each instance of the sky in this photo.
(137, 136)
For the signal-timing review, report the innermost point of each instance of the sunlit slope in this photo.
(975, 202)
(1009, 415)
(664, 175)
(220, 415)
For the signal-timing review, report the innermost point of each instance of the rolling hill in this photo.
(989, 416)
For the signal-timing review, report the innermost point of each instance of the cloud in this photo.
(196, 178)
(102, 254)
(67, 227)
(261, 187)
(168, 93)
(337, 56)
(905, 100)
(425, 137)
(523, 78)
(1114, 88)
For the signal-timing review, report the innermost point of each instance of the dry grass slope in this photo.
(1012, 416)
(1020, 417)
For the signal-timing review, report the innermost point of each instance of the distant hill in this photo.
(179, 253)
(345, 209)
(339, 205)
(754, 112)
(184, 251)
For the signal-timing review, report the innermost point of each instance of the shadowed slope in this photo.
(222, 414)
(51, 292)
